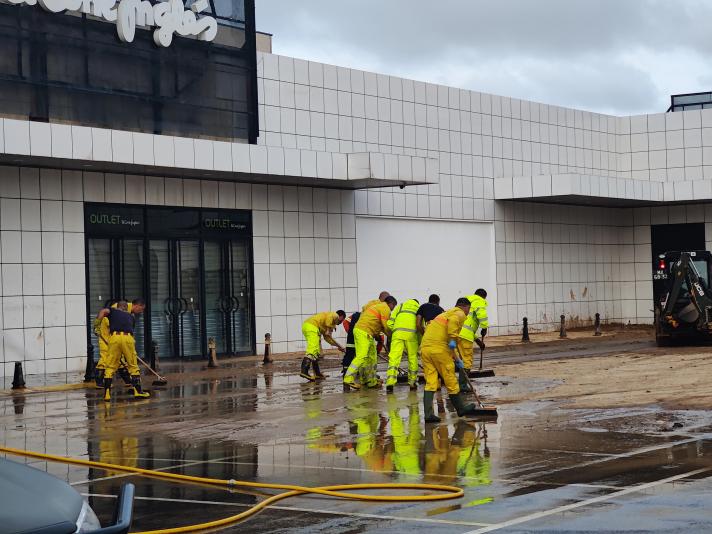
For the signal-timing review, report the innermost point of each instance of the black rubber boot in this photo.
(318, 375)
(107, 389)
(99, 378)
(125, 376)
(428, 411)
(138, 391)
(306, 362)
(389, 389)
(461, 408)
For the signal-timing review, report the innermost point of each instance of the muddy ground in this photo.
(634, 373)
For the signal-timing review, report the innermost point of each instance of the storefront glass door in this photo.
(197, 284)
(226, 292)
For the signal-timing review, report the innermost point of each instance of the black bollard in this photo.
(525, 330)
(89, 371)
(597, 325)
(562, 332)
(18, 379)
(153, 358)
(268, 341)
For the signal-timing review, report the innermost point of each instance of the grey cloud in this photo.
(569, 52)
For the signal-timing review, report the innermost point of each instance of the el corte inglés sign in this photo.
(166, 18)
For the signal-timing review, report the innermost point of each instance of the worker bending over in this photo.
(102, 335)
(122, 343)
(476, 320)
(439, 359)
(317, 326)
(404, 337)
(381, 298)
(427, 312)
(372, 322)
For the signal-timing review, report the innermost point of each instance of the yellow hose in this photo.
(446, 492)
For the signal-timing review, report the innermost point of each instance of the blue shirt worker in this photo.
(122, 344)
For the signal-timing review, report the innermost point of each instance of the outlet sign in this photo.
(165, 18)
(121, 220)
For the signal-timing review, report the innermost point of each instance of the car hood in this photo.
(34, 501)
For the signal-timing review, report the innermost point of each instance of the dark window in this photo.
(71, 69)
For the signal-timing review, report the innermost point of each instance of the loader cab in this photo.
(684, 311)
(663, 273)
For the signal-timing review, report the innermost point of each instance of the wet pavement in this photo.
(540, 468)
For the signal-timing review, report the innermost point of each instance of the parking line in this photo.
(360, 470)
(167, 468)
(309, 510)
(587, 502)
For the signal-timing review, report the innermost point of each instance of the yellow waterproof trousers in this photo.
(400, 342)
(122, 345)
(313, 338)
(103, 354)
(438, 361)
(364, 363)
(466, 352)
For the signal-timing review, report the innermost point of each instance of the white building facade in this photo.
(359, 182)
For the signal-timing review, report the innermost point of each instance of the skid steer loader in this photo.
(683, 303)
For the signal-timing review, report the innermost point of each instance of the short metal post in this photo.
(562, 332)
(212, 352)
(268, 342)
(525, 330)
(90, 368)
(597, 325)
(18, 379)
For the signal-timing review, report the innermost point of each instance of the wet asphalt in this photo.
(541, 467)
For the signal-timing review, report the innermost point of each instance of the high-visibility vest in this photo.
(476, 319)
(403, 317)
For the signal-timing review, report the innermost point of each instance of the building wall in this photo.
(550, 259)
(541, 271)
(304, 253)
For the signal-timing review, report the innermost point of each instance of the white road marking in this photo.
(361, 470)
(309, 510)
(587, 502)
(167, 468)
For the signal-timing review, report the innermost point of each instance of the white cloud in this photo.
(619, 56)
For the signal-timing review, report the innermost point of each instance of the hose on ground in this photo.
(291, 490)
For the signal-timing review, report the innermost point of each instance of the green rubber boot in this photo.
(461, 408)
(428, 411)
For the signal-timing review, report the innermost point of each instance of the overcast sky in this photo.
(611, 56)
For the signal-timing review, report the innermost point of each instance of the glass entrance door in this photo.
(227, 295)
(193, 267)
(175, 302)
(116, 272)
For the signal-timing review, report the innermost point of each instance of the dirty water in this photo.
(542, 467)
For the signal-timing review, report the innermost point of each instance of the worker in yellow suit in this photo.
(477, 320)
(317, 326)
(381, 298)
(439, 359)
(372, 322)
(404, 338)
(406, 439)
(102, 335)
(122, 344)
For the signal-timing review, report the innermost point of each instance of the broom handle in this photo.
(149, 367)
(472, 387)
(482, 356)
